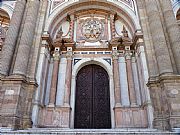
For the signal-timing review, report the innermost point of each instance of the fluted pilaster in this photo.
(26, 40)
(11, 37)
(173, 30)
(158, 38)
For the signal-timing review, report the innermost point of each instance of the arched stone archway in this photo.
(82, 63)
(123, 10)
(92, 98)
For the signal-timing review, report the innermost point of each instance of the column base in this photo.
(51, 105)
(134, 105)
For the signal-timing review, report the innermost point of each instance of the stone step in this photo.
(56, 131)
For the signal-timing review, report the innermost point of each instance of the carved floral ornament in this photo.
(92, 29)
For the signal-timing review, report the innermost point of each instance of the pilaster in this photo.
(172, 30)
(132, 94)
(116, 77)
(26, 41)
(11, 37)
(54, 80)
(158, 38)
(69, 55)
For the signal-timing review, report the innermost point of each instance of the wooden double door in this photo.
(92, 104)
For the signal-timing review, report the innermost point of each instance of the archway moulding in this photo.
(69, 7)
(8, 6)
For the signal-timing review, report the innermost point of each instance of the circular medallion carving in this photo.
(174, 92)
(92, 30)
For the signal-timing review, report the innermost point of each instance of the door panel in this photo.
(92, 105)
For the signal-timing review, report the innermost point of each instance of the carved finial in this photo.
(125, 32)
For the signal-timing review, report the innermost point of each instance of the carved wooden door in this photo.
(92, 105)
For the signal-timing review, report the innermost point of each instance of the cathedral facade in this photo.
(90, 64)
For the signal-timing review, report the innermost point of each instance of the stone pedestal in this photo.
(17, 93)
(54, 117)
(165, 92)
(131, 117)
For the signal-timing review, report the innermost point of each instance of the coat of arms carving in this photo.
(92, 30)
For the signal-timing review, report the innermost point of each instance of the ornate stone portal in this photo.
(40, 76)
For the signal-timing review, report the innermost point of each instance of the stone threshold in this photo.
(60, 131)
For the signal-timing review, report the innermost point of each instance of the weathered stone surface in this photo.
(154, 48)
(26, 41)
(11, 38)
(56, 131)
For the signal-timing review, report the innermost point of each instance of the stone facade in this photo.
(48, 42)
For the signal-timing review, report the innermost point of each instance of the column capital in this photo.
(115, 54)
(56, 55)
(128, 55)
(69, 53)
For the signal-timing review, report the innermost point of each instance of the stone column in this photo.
(37, 44)
(158, 37)
(132, 94)
(172, 29)
(144, 80)
(68, 77)
(136, 80)
(11, 38)
(41, 77)
(27, 37)
(54, 80)
(123, 81)
(116, 78)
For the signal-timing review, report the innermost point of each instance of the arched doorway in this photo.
(92, 104)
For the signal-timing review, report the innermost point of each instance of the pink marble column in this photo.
(54, 80)
(68, 79)
(116, 79)
(132, 94)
